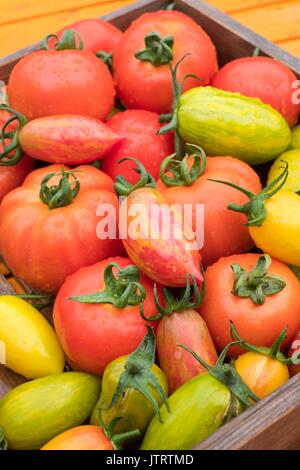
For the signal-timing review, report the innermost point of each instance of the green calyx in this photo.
(124, 188)
(227, 375)
(182, 175)
(255, 208)
(11, 152)
(158, 50)
(120, 291)
(3, 441)
(69, 40)
(107, 58)
(273, 352)
(190, 298)
(63, 193)
(256, 52)
(139, 376)
(39, 301)
(256, 284)
(117, 440)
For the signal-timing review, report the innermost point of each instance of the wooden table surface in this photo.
(23, 22)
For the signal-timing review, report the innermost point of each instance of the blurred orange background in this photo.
(23, 22)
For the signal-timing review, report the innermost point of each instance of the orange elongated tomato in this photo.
(67, 139)
(189, 329)
(43, 240)
(261, 373)
(86, 437)
(50, 82)
(157, 240)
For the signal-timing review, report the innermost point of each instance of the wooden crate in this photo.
(274, 423)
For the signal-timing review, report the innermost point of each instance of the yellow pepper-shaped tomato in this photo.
(264, 370)
(273, 218)
(292, 158)
(28, 342)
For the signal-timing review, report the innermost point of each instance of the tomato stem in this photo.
(158, 50)
(227, 375)
(63, 193)
(106, 58)
(11, 153)
(139, 376)
(255, 207)
(189, 299)
(124, 188)
(257, 283)
(3, 441)
(181, 174)
(120, 291)
(117, 440)
(68, 40)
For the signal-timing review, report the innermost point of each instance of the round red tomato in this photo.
(265, 78)
(93, 335)
(139, 128)
(225, 232)
(148, 85)
(96, 34)
(258, 324)
(49, 82)
(43, 240)
(13, 176)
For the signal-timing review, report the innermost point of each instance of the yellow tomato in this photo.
(262, 374)
(292, 157)
(28, 343)
(279, 233)
(296, 137)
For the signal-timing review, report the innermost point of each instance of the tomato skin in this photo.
(85, 437)
(48, 83)
(162, 257)
(259, 325)
(13, 176)
(142, 85)
(264, 78)
(67, 139)
(189, 329)
(139, 128)
(261, 373)
(32, 348)
(295, 349)
(93, 335)
(43, 246)
(225, 232)
(96, 34)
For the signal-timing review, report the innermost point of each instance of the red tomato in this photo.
(225, 232)
(96, 34)
(139, 129)
(93, 335)
(44, 246)
(13, 176)
(259, 325)
(264, 78)
(86, 437)
(142, 85)
(50, 82)
(189, 329)
(68, 139)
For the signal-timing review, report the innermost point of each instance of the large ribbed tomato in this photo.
(148, 84)
(44, 239)
(94, 334)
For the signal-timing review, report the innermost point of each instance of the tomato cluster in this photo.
(99, 123)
